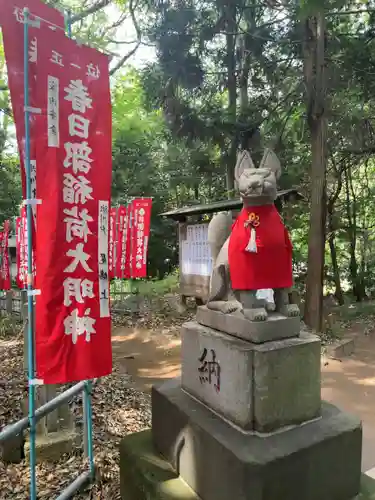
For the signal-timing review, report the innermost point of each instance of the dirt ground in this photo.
(149, 357)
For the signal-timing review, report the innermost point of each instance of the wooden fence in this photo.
(11, 302)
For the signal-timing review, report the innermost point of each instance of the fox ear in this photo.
(271, 162)
(244, 162)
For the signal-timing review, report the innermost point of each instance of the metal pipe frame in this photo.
(49, 407)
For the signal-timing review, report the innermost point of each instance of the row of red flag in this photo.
(71, 169)
(129, 234)
(5, 281)
(128, 239)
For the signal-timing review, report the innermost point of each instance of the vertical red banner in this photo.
(128, 241)
(23, 250)
(140, 236)
(12, 25)
(121, 230)
(5, 281)
(19, 281)
(73, 326)
(112, 242)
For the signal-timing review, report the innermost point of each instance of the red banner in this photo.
(5, 282)
(12, 24)
(112, 242)
(140, 237)
(122, 223)
(73, 326)
(19, 237)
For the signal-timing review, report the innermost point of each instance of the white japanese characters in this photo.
(76, 192)
(53, 112)
(56, 58)
(140, 227)
(103, 258)
(76, 325)
(93, 71)
(33, 50)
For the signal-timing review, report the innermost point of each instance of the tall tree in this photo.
(314, 68)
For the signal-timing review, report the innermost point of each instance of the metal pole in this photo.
(87, 409)
(68, 24)
(30, 332)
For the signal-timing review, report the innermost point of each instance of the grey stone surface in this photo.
(145, 474)
(50, 447)
(262, 386)
(286, 382)
(11, 450)
(234, 397)
(276, 327)
(317, 461)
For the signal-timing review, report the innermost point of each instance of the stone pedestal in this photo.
(277, 327)
(259, 387)
(316, 461)
(246, 419)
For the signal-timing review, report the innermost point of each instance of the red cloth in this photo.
(271, 265)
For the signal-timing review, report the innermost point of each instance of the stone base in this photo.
(316, 461)
(50, 447)
(145, 474)
(11, 450)
(259, 387)
(277, 326)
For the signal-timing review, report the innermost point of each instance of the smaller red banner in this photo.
(19, 279)
(140, 236)
(121, 242)
(22, 250)
(129, 241)
(112, 242)
(5, 283)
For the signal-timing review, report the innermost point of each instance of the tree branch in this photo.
(91, 10)
(127, 56)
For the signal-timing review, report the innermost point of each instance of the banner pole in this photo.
(30, 301)
(68, 24)
(87, 407)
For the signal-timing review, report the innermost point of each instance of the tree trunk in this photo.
(335, 268)
(231, 25)
(351, 212)
(316, 109)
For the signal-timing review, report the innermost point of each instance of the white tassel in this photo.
(252, 245)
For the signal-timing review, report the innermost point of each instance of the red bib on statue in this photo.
(260, 251)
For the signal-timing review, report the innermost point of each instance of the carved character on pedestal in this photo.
(257, 253)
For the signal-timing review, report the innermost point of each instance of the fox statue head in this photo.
(257, 186)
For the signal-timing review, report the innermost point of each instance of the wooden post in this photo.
(9, 302)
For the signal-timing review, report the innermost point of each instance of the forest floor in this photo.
(146, 351)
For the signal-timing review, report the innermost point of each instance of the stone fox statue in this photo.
(256, 253)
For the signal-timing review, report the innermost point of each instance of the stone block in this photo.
(276, 327)
(259, 387)
(11, 450)
(316, 461)
(144, 474)
(286, 382)
(228, 392)
(50, 447)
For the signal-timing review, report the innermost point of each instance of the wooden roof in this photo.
(219, 206)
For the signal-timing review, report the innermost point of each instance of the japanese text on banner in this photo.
(141, 235)
(5, 282)
(73, 338)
